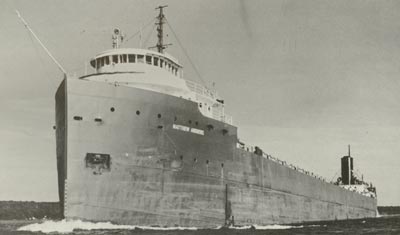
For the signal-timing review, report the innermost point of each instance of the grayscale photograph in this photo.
(200, 117)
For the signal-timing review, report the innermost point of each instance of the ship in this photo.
(138, 144)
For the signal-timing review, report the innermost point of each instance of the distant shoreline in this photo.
(30, 210)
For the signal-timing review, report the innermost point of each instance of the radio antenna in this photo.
(41, 44)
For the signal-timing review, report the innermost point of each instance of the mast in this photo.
(160, 30)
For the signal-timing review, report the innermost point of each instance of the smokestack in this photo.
(347, 169)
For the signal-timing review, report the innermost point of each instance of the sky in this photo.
(302, 79)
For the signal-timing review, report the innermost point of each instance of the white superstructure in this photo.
(150, 70)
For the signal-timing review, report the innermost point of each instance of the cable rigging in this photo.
(160, 46)
(185, 52)
(149, 36)
(41, 44)
(142, 28)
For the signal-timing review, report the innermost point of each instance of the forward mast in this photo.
(160, 30)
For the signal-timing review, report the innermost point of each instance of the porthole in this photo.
(159, 115)
(190, 121)
(207, 161)
(137, 112)
(112, 109)
(195, 159)
(197, 123)
(222, 165)
(181, 157)
(78, 118)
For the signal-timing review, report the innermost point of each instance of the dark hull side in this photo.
(129, 156)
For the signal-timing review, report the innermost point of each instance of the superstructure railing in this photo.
(218, 111)
(201, 90)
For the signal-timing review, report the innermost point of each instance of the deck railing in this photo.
(200, 89)
(252, 149)
(217, 113)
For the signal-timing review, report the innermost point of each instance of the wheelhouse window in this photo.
(161, 63)
(100, 62)
(140, 58)
(148, 59)
(155, 60)
(122, 58)
(115, 59)
(132, 58)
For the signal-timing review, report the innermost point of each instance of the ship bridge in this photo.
(159, 72)
(135, 60)
(140, 68)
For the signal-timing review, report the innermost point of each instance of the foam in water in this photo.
(68, 226)
(377, 214)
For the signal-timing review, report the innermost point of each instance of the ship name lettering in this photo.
(188, 129)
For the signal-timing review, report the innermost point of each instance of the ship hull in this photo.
(132, 156)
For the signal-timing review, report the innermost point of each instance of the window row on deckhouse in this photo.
(133, 58)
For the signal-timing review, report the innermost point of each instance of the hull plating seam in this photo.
(254, 187)
(154, 213)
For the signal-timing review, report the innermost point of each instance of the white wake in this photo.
(68, 226)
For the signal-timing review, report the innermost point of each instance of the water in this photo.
(382, 225)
